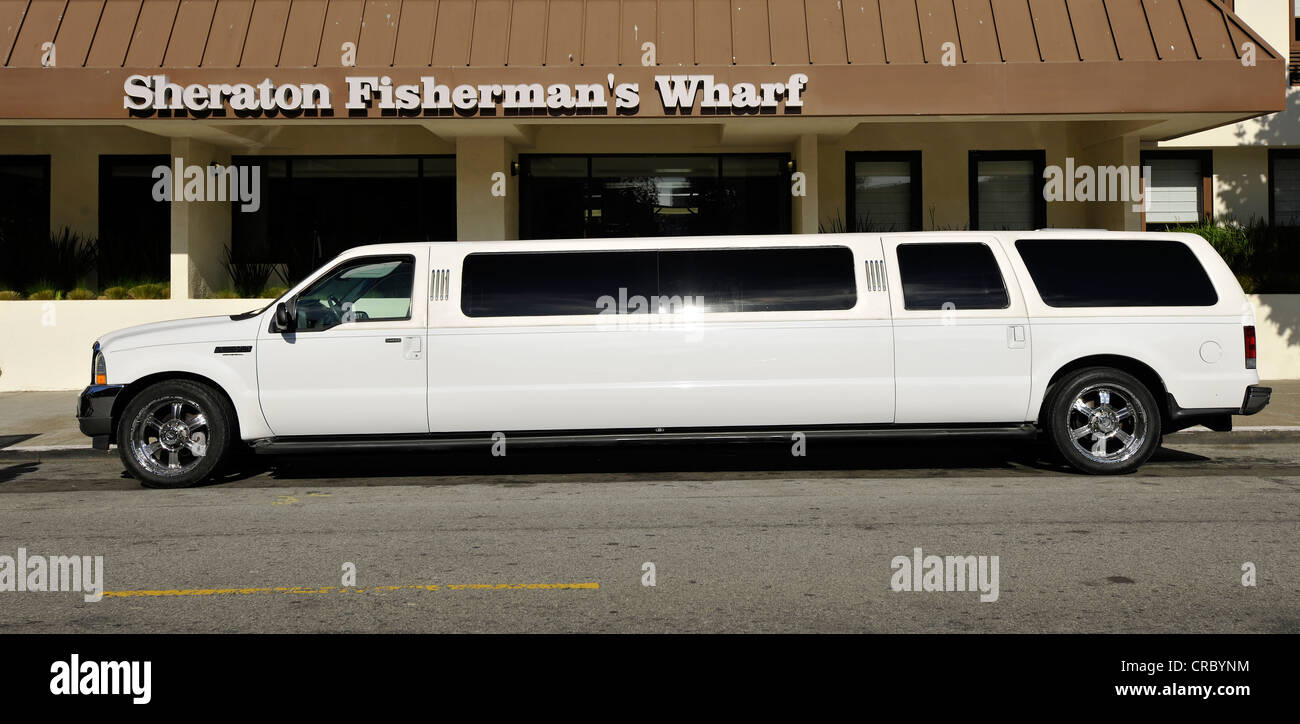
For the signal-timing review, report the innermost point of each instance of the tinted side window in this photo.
(525, 284)
(1116, 273)
(964, 275)
(760, 280)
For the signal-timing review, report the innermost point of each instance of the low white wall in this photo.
(1277, 333)
(46, 345)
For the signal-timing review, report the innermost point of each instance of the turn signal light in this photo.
(1250, 347)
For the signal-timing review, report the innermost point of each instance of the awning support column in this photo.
(487, 195)
(200, 230)
(806, 218)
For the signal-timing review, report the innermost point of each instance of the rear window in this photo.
(1116, 273)
(534, 284)
(950, 276)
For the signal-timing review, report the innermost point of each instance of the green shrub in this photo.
(116, 293)
(59, 260)
(227, 294)
(248, 279)
(273, 292)
(1265, 258)
(9, 296)
(43, 295)
(80, 293)
(149, 291)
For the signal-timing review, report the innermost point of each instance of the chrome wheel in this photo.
(1107, 423)
(169, 436)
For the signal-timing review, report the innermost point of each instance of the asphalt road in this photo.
(743, 539)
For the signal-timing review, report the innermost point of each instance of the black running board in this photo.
(572, 438)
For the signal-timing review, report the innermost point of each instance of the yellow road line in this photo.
(174, 592)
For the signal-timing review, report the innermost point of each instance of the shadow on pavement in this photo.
(7, 440)
(826, 459)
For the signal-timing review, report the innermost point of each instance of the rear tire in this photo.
(175, 434)
(1103, 421)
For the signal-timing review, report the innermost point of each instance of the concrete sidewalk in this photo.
(36, 421)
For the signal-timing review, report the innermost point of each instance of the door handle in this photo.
(1016, 336)
(392, 340)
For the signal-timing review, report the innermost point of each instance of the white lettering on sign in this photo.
(679, 93)
(147, 94)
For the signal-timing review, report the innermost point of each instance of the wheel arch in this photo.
(1139, 369)
(133, 389)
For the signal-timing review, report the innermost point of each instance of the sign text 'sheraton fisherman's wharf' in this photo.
(677, 93)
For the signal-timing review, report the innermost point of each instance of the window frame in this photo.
(913, 158)
(1205, 212)
(1039, 159)
(1273, 155)
(369, 259)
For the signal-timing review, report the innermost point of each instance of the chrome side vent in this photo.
(876, 281)
(440, 287)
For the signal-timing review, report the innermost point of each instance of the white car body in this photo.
(875, 365)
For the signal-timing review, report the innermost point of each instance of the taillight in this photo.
(101, 369)
(1250, 347)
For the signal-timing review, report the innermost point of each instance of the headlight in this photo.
(98, 369)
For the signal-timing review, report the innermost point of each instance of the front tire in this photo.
(175, 434)
(1103, 421)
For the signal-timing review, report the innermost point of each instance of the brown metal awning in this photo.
(861, 57)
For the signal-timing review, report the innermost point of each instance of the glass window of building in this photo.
(884, 191)
(314, 207)
(1284, 187)
(1177, 187)
(1006, 190)
(134, 227)
(24, 218)
(644, 195)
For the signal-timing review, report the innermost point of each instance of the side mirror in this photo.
(284, 319)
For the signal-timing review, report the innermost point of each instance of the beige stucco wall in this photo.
(1241, 183)
(47, 344)
(1277, 335)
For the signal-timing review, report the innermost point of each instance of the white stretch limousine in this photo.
(1101, 342)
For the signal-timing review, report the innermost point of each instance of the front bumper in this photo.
(95, 413)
